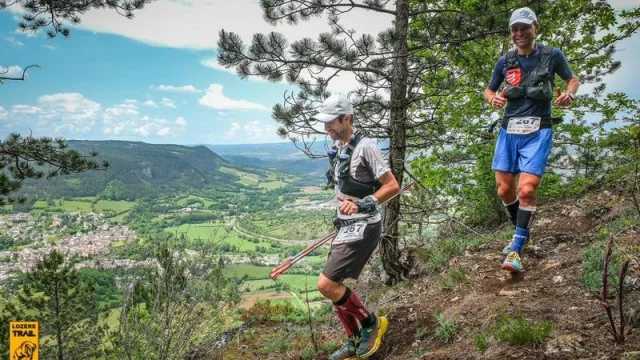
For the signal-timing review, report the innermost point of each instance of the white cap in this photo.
(523, 16)
(334, 106)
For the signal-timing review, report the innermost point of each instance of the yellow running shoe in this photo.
(371, 337)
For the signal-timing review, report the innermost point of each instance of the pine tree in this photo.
(66, 308)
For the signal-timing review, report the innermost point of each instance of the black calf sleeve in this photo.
(525, 216)
(512, 210)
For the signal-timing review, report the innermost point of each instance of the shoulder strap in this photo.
(355, 139)
(544, 62)
(545, 50)
(511, 60)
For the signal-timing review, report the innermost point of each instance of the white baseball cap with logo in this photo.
(523, 16)
(334, 106)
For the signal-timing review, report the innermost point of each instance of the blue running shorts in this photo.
(517, 153)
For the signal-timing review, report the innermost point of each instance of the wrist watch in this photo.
(571, 95)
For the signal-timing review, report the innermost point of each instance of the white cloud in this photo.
(163, 132)
(176, 89)
(50, 47)
(150, 103)
(168, 103)
(125, 121)
(121, 110)
(4, 115)
(214, 98)
(252, 132)
(234, 130)
(26, 109)
(130, 101)
(72, 106)
(196, 24)
(155, 127)
(11, 40)
(55, 113)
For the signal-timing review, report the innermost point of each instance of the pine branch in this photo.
(21, 78)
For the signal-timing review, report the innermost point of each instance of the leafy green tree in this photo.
(173, 307)
(9, 311)
(457, 163)
(622, 162)
(66, 308)
(32, 158)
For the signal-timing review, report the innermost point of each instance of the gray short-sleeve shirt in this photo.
(367, 164)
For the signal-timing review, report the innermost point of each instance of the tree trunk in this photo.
(58, 322)
(391, 255)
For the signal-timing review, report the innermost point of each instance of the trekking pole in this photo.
(297, 257)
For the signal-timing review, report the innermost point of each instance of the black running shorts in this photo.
(347, 259)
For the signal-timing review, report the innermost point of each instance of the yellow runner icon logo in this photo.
(23, 340)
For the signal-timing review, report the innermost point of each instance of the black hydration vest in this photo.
(346, 183)
(536, 84)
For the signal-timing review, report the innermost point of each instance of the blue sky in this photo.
(155, 79)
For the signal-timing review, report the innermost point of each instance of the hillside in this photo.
(135, 169)
(284, 157)
(277, 156)
(554, 310)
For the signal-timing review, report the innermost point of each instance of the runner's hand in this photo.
(347, 207)
(499, 101)
(563, 99)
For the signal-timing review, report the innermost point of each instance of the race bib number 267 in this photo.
(523, 125)
(353, 232)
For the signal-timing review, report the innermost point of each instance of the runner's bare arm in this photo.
(489, 95)
(389, 187)
(572, 87)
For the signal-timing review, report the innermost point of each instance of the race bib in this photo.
(353, 232)
(523, 125)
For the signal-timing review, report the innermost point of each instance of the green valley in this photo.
(111, 222)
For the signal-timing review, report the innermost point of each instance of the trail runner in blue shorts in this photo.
(525, 138)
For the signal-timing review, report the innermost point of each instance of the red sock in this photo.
(349, 322)
(352, 305)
